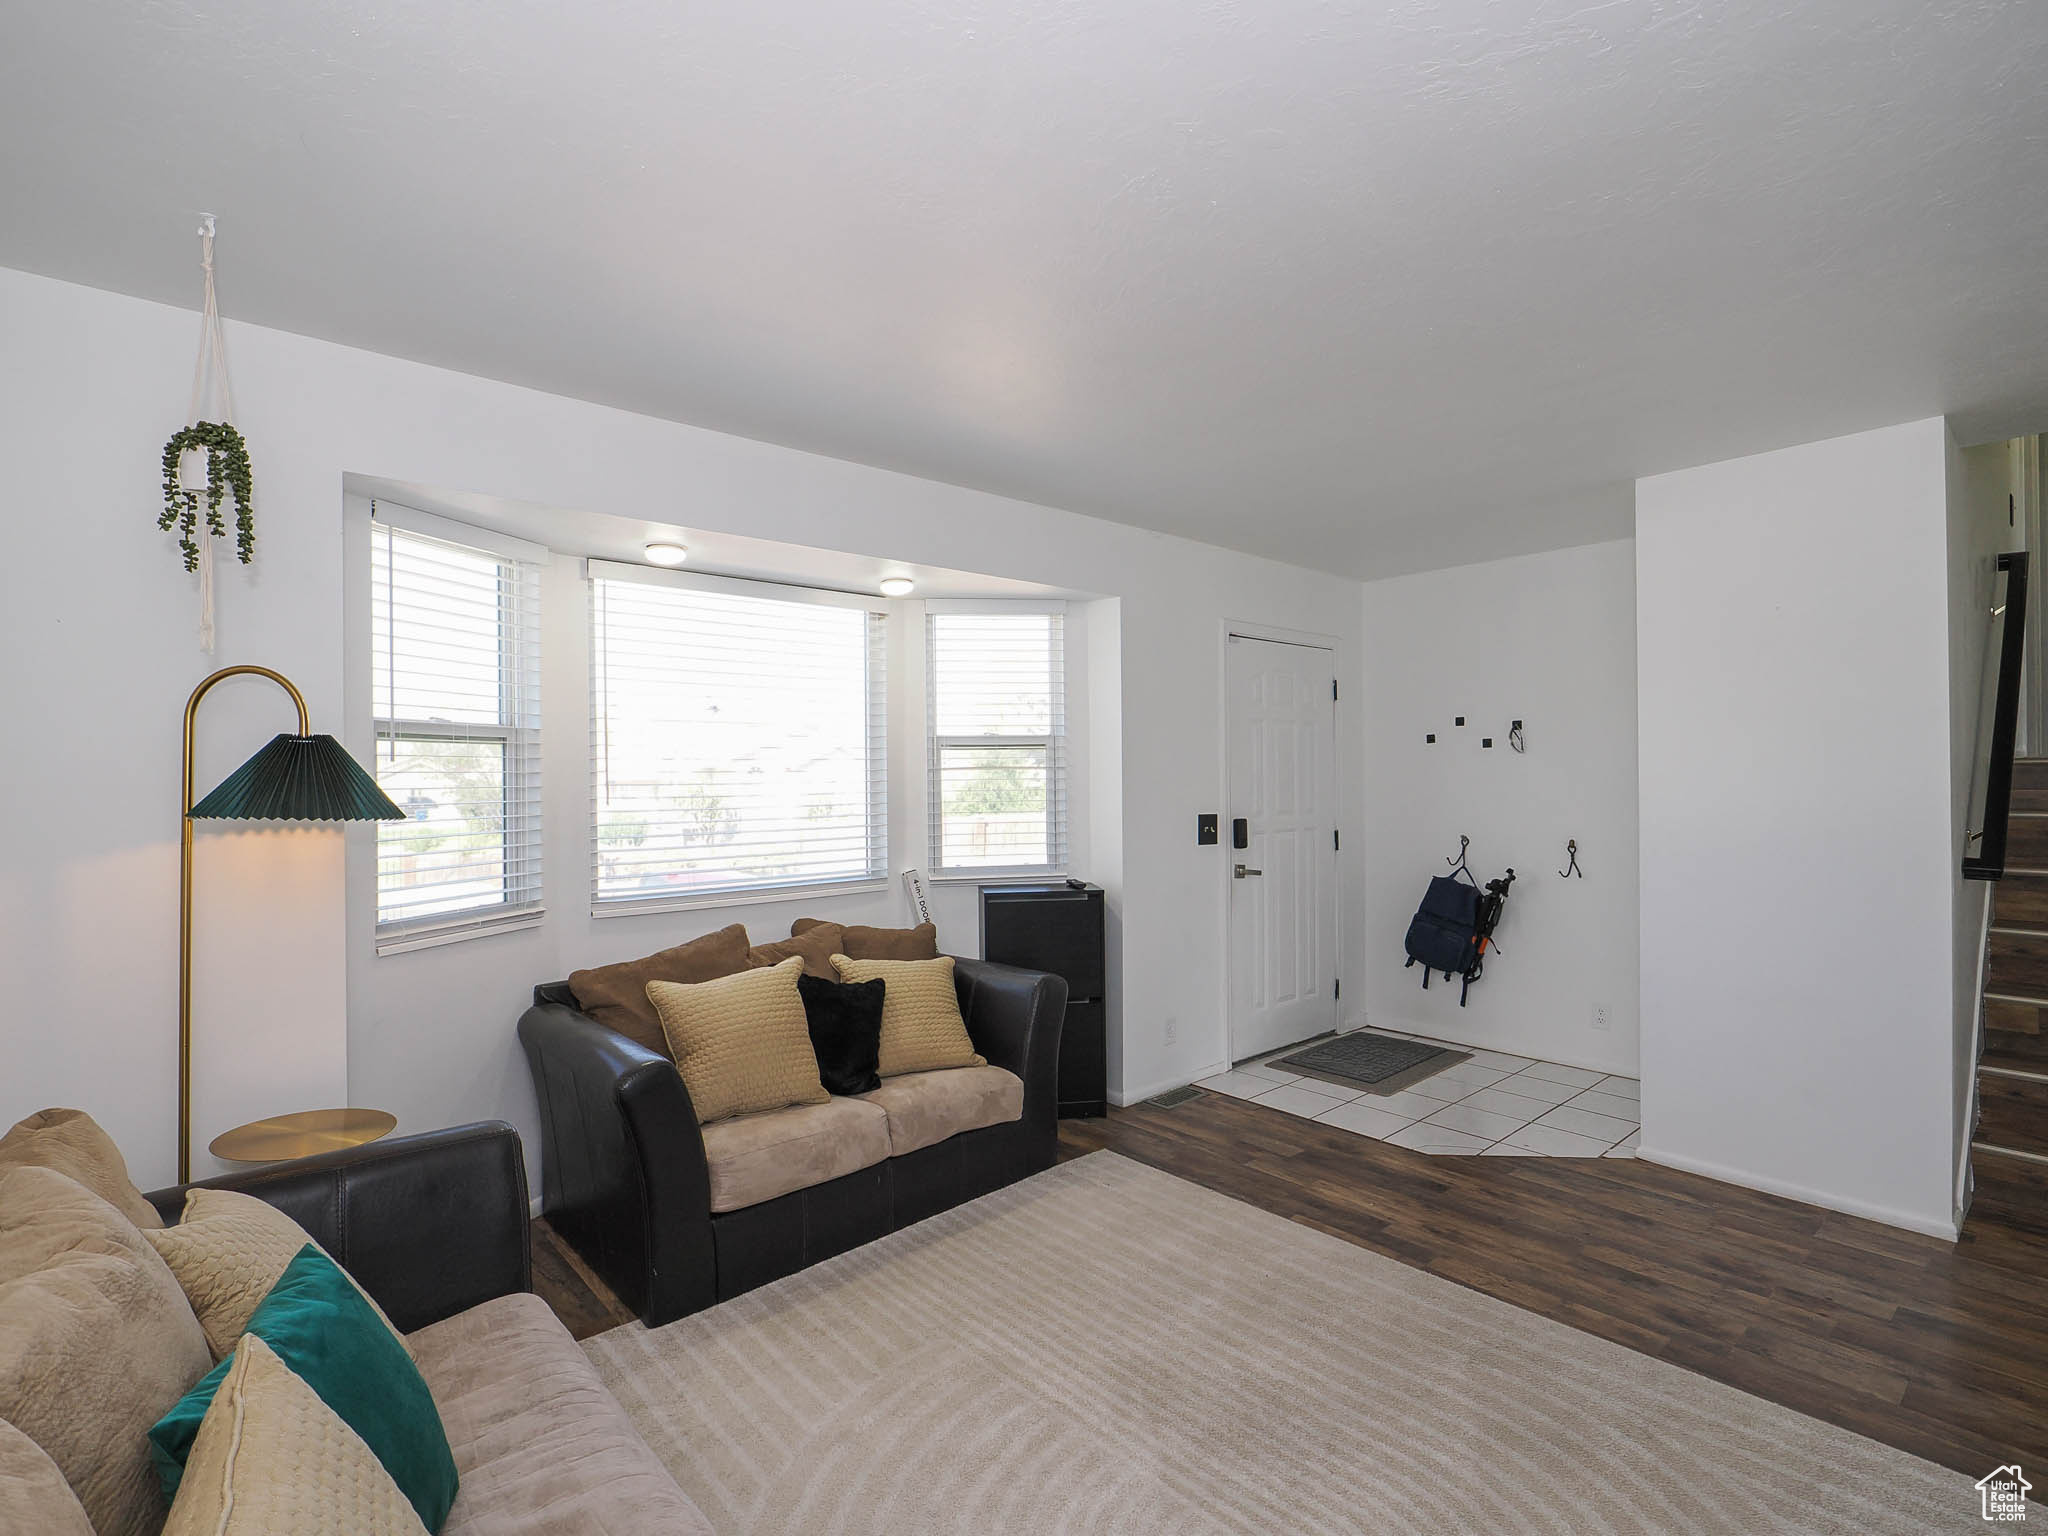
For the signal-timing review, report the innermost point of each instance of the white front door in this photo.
(1281, 724)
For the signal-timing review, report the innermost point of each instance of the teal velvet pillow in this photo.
(320, 1327)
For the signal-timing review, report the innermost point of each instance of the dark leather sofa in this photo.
(625, 1180)
(429, 1225)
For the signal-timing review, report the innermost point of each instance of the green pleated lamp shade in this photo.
(298, 778)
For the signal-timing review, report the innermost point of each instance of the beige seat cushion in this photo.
(741, 1042)
(924, 1108)
(33, 1493)
(96, 1343)
(616, 995)
(758, 1157)
(71, 1141)
(815, 946)
(540, 1445)
(270, 1457)
(227, 1252)
(922, 1030)
(861, 943)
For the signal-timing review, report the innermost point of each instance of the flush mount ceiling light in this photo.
(897, 586)
(666, 554)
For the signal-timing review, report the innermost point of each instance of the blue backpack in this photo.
(1453, 928)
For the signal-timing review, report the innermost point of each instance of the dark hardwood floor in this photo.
(1939, 1349)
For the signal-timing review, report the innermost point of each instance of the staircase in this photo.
(2010, 1146)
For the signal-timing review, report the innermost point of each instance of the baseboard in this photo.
(1562, 1058)
(1126, 1097)
(1930, 1226)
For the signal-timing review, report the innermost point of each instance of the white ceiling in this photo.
(1365, 287)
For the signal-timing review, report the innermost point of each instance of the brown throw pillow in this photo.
(919, 943)
(616, 995)
(922, 1030)
(96, 1344)
(741, 1042)
(71, 1141)
(815, 946)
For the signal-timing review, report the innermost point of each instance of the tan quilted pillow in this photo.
(96, 1343)
(71, 1141)
(227, 1252)
(741, 1042)
(922, 1030)
(270, 1457)
(33, 1493)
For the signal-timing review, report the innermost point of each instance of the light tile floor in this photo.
(1494, 1105)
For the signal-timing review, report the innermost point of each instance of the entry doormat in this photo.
(1376, 1063)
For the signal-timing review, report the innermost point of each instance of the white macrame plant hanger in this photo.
(210, 388)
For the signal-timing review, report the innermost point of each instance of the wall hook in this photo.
(1458, 864)
(1572, 847)
(1516, 739)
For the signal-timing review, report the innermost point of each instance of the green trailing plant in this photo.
(227, 469)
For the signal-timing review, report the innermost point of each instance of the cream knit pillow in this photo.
(227, 1252)
(741, 1042)
(271, 1457)
(922, 1030)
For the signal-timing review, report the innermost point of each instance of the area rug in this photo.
(1382, 1064)
(1107, 1348)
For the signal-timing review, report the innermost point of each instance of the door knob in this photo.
(1241, 872)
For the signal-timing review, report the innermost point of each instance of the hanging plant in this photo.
(227, 469)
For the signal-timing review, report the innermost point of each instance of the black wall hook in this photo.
(1458, 864)
(1572, 847)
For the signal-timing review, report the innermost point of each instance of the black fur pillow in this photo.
(846, 1031)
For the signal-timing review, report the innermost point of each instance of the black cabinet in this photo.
(1058, 928)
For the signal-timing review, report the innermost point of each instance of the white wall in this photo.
(1797, 922)
(1550, 640)
(92, 385)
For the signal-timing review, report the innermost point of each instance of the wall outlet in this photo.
(1600, 1017)
(1172, 1030)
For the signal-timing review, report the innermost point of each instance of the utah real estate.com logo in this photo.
(2005, 1495)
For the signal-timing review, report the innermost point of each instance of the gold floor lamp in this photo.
(295, 778)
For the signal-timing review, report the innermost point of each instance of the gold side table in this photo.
(284, 1137)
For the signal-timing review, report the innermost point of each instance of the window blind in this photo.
(997, 741)
(456, 698)
(739, 741)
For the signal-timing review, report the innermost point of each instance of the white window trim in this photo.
(743, 896)
(433, 930)
(1058, 834)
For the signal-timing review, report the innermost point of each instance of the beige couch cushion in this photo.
(71, 1141)
(33, 1493)
(924, 1108)
(922, 1030)
(540, 1445)
(616, 995)
(96, 1343)
(758, 1157)
(271, 1457)
(227, 1252)
(741, 1042)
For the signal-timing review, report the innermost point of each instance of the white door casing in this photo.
(1280, 751)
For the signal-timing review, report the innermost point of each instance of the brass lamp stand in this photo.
(295, 778)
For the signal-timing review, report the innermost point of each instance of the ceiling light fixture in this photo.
(667, 554)
(897, 586)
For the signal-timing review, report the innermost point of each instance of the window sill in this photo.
(400, 941)
(741, 898)
(998, 876)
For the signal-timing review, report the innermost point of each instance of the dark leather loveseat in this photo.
(626, 1182)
